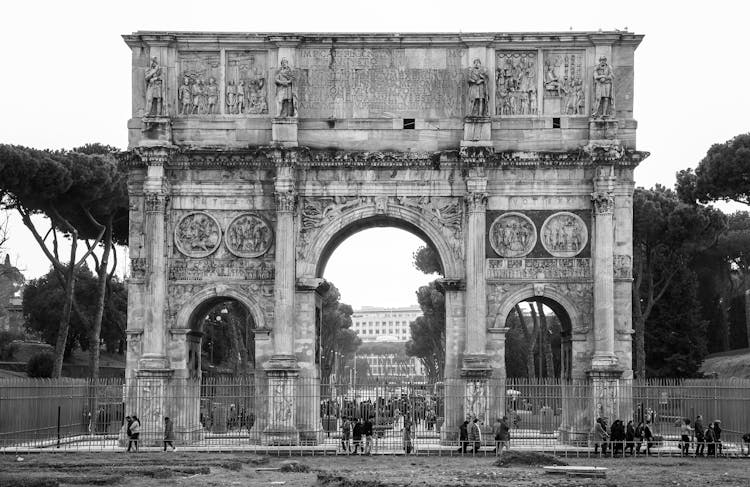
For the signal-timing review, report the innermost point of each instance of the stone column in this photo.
(282, 370)
(603, 250)
(475, 355)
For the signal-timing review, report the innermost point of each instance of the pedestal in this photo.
(282, 414)
(475, 375)
(603, 129)
(156, 131)
(284, 131)
(477, 131)
(152, 403)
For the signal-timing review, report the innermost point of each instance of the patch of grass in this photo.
(527, 458)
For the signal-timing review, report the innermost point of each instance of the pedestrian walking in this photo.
(600, 435)
(135, 432)
(630, 437)
(124, 436)
(168, 433)
(700, 441)
(638, 437)
(407, 434)
(501, 430)
(648, 435)
(463, 436)
(368, 436)
(475, 438)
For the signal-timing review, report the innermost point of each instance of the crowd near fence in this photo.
(208, 414)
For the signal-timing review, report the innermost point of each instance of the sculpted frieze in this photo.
(512, 235)
(246, 86)
(211, 269)
(516, 83)
(564, 234)
(526, 269)
(198, 93)
(564, 92)
(248, 235)
(197, 234)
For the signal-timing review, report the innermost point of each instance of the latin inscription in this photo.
(387, 83)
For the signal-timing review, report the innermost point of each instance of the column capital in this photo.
(155, 155)
(476, 201)
(604, 202)
(155, 202)
(285, 201)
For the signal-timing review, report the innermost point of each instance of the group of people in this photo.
(622, 437)
(470, 435)
(354, 429)
(131, 431)
(707, 439)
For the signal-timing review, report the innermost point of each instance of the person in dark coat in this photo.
(710, 440)
(700, 441)
(168, 433)
(630, 437)
(475, 437)
(368, 436)
(601, 437)
(135, 432)
(617, 436)
(359, 429)
(463, 436)
(501, 429)
(717, 433)
(648, 436)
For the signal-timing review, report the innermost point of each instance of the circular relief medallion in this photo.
(512, 235)
(248, 236)
(197, 234)
(564, 234)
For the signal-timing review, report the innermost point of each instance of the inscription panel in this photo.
(209, 269)
(538, 269)
(374, 83)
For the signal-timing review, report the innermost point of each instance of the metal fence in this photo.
(424, 418)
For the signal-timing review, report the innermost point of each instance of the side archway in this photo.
(186, 315)
(550, 296)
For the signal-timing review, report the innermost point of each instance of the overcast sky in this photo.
(67, 82)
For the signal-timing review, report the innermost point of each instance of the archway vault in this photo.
(315, 250)
(550, 296)
(186, 315)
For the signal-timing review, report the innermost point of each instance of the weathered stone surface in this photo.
(268, 150)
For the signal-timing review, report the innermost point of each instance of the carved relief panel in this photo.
(197, 234)
(564, 234)
(198, 92)
(512, 235)
(248, 235)
(563, 81)
(246, 83)
(516, 83)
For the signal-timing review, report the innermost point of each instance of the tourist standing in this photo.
(501, 430)
(600, 436)
(135, 431)
(717, 433)
(700, 441)
(407, 431)
(346, 431)
(685, 433)
(357, 431)
(630, 437)
(368, 436)
(638, 437)
(710, 439)
(168, 433)
(463, 436)
(745, 442)
(648, 435)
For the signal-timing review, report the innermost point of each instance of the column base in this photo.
(153, 364)
(282, 402)
(476, 365)
(605, 392)
(157, 130)
(477, 132)
(605, 362)
(152, 404)
(603, 129)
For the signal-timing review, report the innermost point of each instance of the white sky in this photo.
(67, 82)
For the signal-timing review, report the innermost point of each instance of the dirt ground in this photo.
(220, 469)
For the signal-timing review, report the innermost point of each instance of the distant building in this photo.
(385, 332)
(384, 324)
(11, 311)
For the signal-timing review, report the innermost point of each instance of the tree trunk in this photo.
(534, 341)
(101, 289)
(747, 311)
(62, 333)
(546, 342)
(529, 342)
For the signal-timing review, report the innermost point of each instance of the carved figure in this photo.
(516, 84)
(240, 100)
(248, 236)
(154, 89)
(551, 81)
(197, 92)
(197, 235)
(255, 95)
(212, 95)
(185, 96)
(604, 99)
(478, 79)
(512, 235)
(564, 234)
(231, 97)
(285, 100)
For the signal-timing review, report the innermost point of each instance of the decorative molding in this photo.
(181, 269)
(154, 202)
(476, 201)
(285, 201)
(623, 267)
(536, 269)
(604, 202)
(138, 266)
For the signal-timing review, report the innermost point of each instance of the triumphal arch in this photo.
(253, 155)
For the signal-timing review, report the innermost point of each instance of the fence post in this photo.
(58, 425)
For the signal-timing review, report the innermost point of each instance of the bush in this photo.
(7, 347)
(40, 365)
